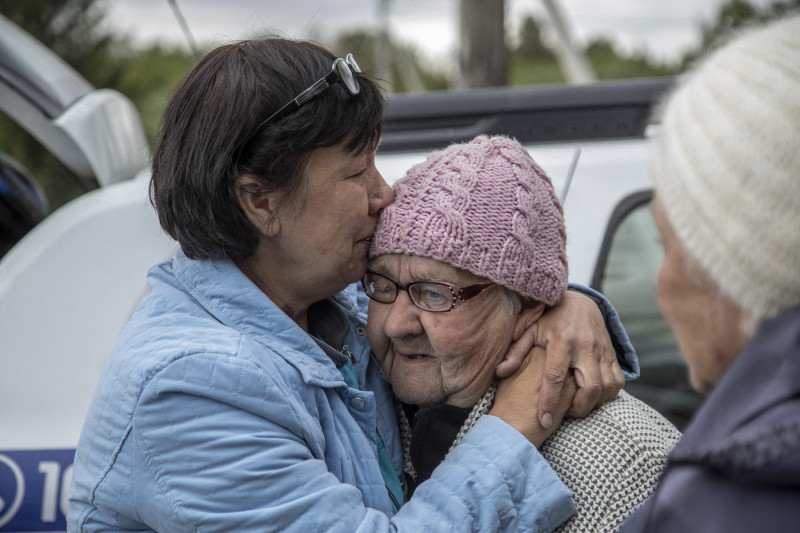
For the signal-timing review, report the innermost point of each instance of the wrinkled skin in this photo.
(432, 358)
(711, 330)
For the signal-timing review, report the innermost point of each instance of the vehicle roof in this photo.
(541, 114)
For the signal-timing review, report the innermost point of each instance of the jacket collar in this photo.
(227, 294)
(741, 422)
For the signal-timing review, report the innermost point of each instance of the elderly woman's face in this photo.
(430, 357)
(706, 325)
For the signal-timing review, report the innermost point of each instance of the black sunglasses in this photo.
(343, 71)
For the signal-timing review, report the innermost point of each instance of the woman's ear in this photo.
(261, 209)
(525, 326)
(527, 318)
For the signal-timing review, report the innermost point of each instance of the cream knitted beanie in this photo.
(727, 167)
(484, 207)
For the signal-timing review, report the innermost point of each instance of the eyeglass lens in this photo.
(345, 69)
(427, 295)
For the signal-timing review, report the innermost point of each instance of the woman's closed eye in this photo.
(359, 173)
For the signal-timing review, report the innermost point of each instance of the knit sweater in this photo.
(611, 460)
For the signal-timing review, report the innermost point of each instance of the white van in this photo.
(70, 284)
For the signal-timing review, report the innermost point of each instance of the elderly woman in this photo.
(242, 396)
(469, 255)
(727, 205)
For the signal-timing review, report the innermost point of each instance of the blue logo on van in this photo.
(34, 489)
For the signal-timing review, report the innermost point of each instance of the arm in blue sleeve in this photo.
(496, 478)
(626, 355)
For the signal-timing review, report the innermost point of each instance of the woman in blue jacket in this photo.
(242, 395)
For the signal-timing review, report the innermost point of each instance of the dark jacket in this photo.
(737, 467)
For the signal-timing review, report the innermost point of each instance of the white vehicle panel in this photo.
(66, 291)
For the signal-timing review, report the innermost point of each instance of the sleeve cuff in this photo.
(508, 466)
(626, 354)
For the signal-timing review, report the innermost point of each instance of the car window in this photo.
(626, 274)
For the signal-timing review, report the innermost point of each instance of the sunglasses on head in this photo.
(343, 71)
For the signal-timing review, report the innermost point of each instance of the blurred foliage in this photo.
(74, 30)
(404, 70)
(66, 27)
(531, 60)
(149, 78)
(71, 29)
(609, 64)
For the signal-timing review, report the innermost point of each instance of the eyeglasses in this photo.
(343, 71)
(433, 296)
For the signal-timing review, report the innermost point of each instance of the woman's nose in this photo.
(381, 195)
(402, 320)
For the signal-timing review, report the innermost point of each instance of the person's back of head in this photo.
(727, 169)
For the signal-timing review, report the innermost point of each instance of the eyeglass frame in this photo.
(310, 92)
(462, 294)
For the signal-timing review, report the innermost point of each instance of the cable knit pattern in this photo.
(611, 461)
(460, 207)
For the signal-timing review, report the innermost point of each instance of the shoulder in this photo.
(693, 498)
(625, 423)
(613, 437)
(182, 349)
(611, 460)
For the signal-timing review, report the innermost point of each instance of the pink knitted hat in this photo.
(484, 207)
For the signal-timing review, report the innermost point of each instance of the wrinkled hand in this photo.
(518, 395)
(575, 337)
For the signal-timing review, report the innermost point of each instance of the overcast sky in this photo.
(664, 28)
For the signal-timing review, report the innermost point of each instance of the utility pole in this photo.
(384, 55)
(397, 69)
(483, 59)
(571, 58)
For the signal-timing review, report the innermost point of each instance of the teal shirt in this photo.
(387, 470)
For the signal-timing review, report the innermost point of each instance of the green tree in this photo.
(72, 29)
(530, 47)
(610, 64)
(149, 77)
(533, 62)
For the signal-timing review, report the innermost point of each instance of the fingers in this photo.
(557, 364)
(516, 354)
(575, 337)
(589, 391)
(568, 392)
(597, 383)
(613, 380)
(567, 396)
(517, 396)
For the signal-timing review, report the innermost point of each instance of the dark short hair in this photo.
(205, 144)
